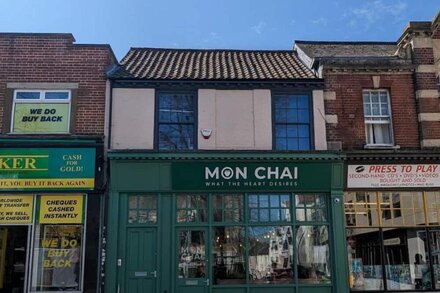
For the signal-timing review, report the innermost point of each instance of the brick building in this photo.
(382, 112)
(52, 183)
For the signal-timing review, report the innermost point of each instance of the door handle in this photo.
(154, 274)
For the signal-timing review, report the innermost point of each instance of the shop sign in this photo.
(61, 209)
(393, 176)
(41, 117)
(251, 176)
(47, 168)
(16, 209)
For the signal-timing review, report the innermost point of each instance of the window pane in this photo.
(378, 133)
(270, 255)
(227, 208)
(364, 259)
(313, 254)
(192, 254)
(265, 208)
(57, 258)
(434, 237)
(228, 255)
(406, 256)
(191, 208)
(28, 95)
(57, 95)
(176, 121)
(176, 137)
(289, 111)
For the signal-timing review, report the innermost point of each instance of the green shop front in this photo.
(225, 222)
(49, 216)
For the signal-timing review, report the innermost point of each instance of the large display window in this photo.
(393, 240)
(254, 239)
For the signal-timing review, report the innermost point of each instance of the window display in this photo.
(57, 258)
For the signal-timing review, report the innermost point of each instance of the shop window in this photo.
(364, 259)
(310, 207)
(57, 261)
(142, 209)
(361, 209)
(192, 208)
(41, 111)
(433, 208)
(402, 209)
(377, 116)
(228, 208)
(401, 249)
(228, 255)
(292, 126)
(192, 254)
(312, 243)
(176, 121)
(269, 208)
(434, 240)
(270, 255)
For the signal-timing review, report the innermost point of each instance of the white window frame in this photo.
(380, 119)
(42, 100)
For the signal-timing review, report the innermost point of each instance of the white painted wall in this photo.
(132, 119)
(238, 119)
(320, 135)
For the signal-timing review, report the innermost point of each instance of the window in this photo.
(41, 111)
(176, 122)
(256, 239)
(291, 122)
(391, 243)
(377, 114)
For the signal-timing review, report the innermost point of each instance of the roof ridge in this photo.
(346, 42)
(213, 50)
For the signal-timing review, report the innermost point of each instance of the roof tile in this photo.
(181, 64)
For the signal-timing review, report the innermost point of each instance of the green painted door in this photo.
(192, 260)
(140, 263)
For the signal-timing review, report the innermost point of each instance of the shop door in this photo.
(140, 260)
(192, 260)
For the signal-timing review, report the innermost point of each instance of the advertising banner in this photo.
(16, 209)
(41, 118)
(393, 176)
(251, 176)
(47, 168)
(61, 209)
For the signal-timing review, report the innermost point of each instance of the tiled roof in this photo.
(211, 65)
(347, 49)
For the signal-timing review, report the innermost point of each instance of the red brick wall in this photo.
(349, 108)
(423, 56)
(54, 58)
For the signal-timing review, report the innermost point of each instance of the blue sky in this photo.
(235, 24)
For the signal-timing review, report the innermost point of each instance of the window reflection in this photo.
(228, 255)
(191, 208)
(312, 243)
(270, 254)
(364, 259)
(269, 208)
(192, 258)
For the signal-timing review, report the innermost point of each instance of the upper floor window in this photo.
(291, 122)
(41, 111)
(176, 122)
(377, 115)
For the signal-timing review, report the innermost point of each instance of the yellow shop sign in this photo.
(16, 209)
(61, 209)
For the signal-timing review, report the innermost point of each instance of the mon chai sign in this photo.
(251, 176)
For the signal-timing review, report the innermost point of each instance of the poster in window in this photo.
(41, 118)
